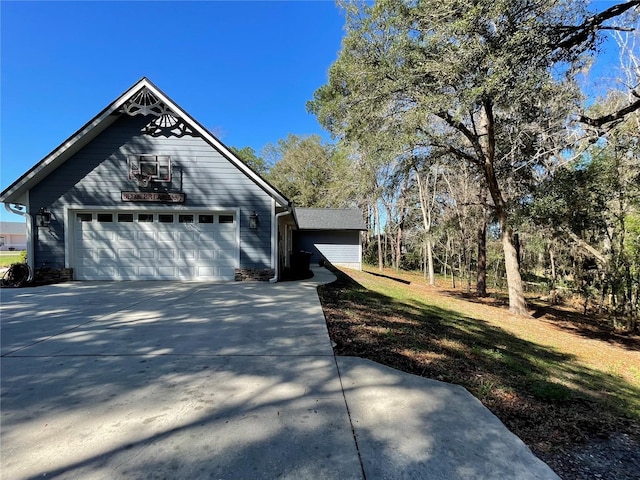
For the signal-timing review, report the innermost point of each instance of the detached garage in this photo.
(330, 234)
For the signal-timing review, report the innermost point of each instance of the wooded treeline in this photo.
(469, 136)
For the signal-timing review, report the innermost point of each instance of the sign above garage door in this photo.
(164, 197)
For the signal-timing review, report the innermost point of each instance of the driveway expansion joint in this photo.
(353, 430)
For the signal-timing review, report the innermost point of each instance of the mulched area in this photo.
(571, 432)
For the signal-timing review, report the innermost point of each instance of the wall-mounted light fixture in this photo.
(253, 220)
(43, 217)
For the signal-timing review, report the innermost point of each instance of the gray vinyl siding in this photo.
(98, 173)
(336, 246)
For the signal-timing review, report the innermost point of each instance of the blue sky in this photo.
(244, 70)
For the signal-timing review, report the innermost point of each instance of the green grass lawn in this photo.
(7, 258)
(556, 380)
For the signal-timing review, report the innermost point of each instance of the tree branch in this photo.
(612, 117)
(585, 246)
(469, 135)
(582, 33)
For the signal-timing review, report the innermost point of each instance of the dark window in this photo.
(145, 217)
(125, 217)
(225, 219)
(185, 218)
(156, 167)
(84, 217)
(205, 218)
(105, 217)
(165, 218)
(149, 168)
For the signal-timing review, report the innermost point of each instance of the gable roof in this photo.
(329, 219)
(148, 99)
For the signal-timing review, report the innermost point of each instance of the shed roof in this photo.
(329, 219)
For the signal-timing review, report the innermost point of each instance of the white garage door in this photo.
(155, 246)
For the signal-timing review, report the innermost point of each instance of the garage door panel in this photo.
(105, 272)
(186, 236)
(146, 271)
(226, 245)
(206, 254)
(226, 256)
(105, 235)
(187, 253)
(86, 263)
(186, 273)
(206, 272)
(166, 253)
(225, 237)
(206, 244)
(153, 250)
(88, 235)
(226, 273)
(146, 236)
(186, 245)
(167, 271)
(84, 253)
(126, 236)
(124, 253)
(128, 273)
(167, 237)
(146, 252)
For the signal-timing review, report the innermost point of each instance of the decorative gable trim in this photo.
(145, 103)
(167, 121)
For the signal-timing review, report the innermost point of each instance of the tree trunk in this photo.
(446, 259)
(423, 260)
(385, 248)
(397, 248)
(429, 248)
(553, 294)
(453, 277)
(481, 275)
(377, 214)
(425, 207)
(517, 303)
(402, 212)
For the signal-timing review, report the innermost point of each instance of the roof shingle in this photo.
(329, 219)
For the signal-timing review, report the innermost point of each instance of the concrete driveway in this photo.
(149, 380)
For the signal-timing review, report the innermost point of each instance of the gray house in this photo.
(13, 236)
(143, 191)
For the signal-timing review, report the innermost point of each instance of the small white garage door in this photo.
(155, 246)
